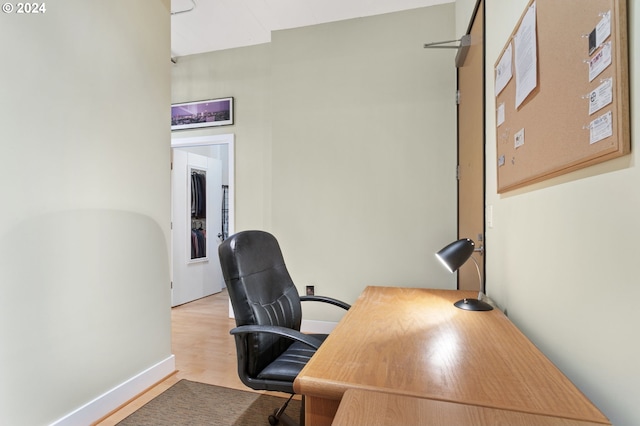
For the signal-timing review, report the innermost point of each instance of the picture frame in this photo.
(207, 113)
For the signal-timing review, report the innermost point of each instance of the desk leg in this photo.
(319, 411)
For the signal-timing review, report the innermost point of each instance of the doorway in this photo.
(201, 219)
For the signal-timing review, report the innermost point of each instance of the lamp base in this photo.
(473, 305)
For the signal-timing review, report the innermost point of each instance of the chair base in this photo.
(283, 419)
(279, 417)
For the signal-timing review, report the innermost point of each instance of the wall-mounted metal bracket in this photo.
(463, 47)
(177, 12)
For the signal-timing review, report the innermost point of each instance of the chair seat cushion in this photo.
(289, 364)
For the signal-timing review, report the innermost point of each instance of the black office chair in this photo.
(271, 349)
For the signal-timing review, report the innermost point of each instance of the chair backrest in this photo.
(261, 293)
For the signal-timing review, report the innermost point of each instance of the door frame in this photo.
(224, 139)
(467, 274)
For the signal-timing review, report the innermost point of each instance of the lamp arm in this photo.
(479, 276)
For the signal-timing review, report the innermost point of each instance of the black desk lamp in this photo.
(453, 257)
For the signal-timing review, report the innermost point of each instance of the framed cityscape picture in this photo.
(212, 112)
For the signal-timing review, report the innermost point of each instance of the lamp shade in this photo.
(455, 254)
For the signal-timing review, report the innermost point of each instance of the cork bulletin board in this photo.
(562, 90)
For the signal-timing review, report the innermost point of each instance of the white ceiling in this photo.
(224, 24)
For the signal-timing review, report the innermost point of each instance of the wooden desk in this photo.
(414, 342)
(368, 408)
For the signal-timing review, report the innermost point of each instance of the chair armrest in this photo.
(326, 299)
(280, 331)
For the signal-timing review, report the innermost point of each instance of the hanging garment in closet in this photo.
(198, 243)
(198, 194)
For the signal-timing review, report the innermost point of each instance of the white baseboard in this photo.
(114, 398)
(321, 327)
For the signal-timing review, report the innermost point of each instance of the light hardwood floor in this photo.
(205, 351)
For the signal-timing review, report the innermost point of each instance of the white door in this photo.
(194, 277)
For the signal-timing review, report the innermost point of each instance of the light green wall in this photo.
(345, 146)
(562, 257)
(84, 223)
(245, 74)
(363, 167)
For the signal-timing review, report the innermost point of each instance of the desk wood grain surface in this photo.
(368, 408)
(414, 342)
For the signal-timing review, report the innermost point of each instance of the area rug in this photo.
(198, 404)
